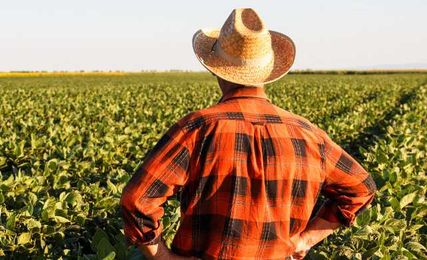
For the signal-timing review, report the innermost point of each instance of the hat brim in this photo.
(249, 74)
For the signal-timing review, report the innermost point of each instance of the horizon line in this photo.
(196, 71)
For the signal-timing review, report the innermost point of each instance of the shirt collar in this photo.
(252, 92)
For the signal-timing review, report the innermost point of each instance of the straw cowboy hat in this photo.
(244, 51)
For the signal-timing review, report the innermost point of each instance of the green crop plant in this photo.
(70, 143)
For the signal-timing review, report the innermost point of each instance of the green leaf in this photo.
(111, 186)
(370, 252)
(98, 236)
(52, 165)
(33, 224)
(121, 249)
(60, 219)
(10, 222)
(407, 199)
(395, 204)
(2, 161)
(364, 218)
(166, 222)
(110, 256)
(104, 248)
(24, 238)
(407, 253)
(395, 224)
(415, 247)
(74, 198)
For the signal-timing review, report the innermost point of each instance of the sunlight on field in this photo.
(68, 145)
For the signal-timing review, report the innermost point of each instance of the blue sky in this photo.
(144, 35)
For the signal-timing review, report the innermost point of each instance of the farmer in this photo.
(248, 173)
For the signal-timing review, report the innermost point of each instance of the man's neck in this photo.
(227, 86)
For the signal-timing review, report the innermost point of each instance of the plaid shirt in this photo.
(248, 175)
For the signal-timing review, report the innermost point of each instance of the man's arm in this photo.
(160, 251)
(349, 190)
(163, 171)
(154, 251)
(348, 187)
(316, 230)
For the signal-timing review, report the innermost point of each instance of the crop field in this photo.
(70, 143)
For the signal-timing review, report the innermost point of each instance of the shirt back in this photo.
(248, 175)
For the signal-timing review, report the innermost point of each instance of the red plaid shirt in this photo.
(248, 175)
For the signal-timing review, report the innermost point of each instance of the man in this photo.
(248, 172)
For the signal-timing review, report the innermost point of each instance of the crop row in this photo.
(395, 226)
(68, 145)
(323, 99)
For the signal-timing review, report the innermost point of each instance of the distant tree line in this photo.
(357, 72)
(308, 71)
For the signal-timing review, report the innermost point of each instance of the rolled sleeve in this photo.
(164, 170)
(348, 187)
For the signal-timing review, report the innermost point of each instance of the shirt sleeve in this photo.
(163, 171)
(348, 187)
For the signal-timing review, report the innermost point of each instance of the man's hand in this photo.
(316, 230)
(302, 246)
(160, 251)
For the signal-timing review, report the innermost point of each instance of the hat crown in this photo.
(244, 51)
(244, 36)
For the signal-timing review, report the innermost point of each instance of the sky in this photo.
(140, 35)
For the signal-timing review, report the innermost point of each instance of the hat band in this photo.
(264, 60)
